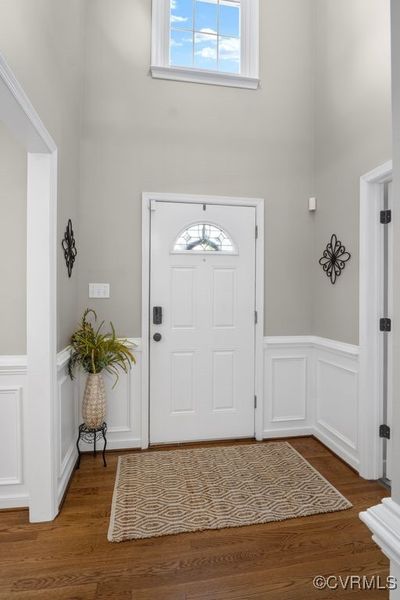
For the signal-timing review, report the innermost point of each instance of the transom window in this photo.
(205, 34)
(204, 237)
(206, 41)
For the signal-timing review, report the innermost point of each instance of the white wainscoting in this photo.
(66, 417)
(13, 488)
(311, 387)
(288, 375)
(336, 398)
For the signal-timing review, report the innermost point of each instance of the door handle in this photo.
(157, 337)
(157, 315)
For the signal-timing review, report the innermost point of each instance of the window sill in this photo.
(205, 77)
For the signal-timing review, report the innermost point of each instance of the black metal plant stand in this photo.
(89, 436)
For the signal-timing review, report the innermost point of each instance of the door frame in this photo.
(40, 432)
(258, 204)
(370, 311)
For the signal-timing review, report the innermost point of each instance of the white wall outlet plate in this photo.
(99, 290)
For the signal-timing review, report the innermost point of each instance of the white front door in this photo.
(202, 321)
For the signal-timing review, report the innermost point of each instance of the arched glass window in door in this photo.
(204, 237)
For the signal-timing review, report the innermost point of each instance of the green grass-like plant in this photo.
(95, 352)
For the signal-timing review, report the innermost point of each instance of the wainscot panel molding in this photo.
(66, 416)
(13, 488)
(288, 377)
(311, 387)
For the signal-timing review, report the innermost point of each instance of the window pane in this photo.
(205, 51)
(229, 54)
(182, 14)
(206, 16)
(181, 48)
(204, 237)
(229, 18)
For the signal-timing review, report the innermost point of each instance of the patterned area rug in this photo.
(168, 492)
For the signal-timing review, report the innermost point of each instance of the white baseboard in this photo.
(337, 448)
(288, 432)
(14, 501)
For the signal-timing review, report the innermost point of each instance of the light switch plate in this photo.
(99, 290)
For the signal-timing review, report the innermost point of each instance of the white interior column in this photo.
(41, 335)
(384, 519)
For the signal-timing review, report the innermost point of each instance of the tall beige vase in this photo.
(94, 401)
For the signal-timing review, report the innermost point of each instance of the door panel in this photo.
(202, 369)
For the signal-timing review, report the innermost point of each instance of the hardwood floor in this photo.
(71, 559)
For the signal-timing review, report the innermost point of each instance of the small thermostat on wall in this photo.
(99, 290)
(312, 204)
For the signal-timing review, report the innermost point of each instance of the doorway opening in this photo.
(376, 258)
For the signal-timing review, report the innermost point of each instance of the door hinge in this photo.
(385, 324)
(255, 317)
(256, 232)
(384, 432)
(386, 217)
(255, 401)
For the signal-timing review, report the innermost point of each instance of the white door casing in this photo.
(202, 369)
(371, 310)
(388, 413)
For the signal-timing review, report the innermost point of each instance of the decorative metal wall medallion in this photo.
(69, 247)
(334, 258)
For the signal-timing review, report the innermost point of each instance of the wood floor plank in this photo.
(71, 558)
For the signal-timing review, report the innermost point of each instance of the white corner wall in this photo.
(311, 388)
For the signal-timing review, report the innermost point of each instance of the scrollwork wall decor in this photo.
(69, 247)
(334, 259)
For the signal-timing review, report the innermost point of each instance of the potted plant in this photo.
(95, 352)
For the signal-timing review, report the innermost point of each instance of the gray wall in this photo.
(43, 42)
(142, 134)
(352, 136)
(12, 245)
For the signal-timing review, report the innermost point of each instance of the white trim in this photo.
(205, 77)
(285, 432)
(14, 501)
(384, 522)
(13, 365)
(18, 479)
(18, 114)
(258, 203)
(312, 341)
(249, 45)
(371, 261)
